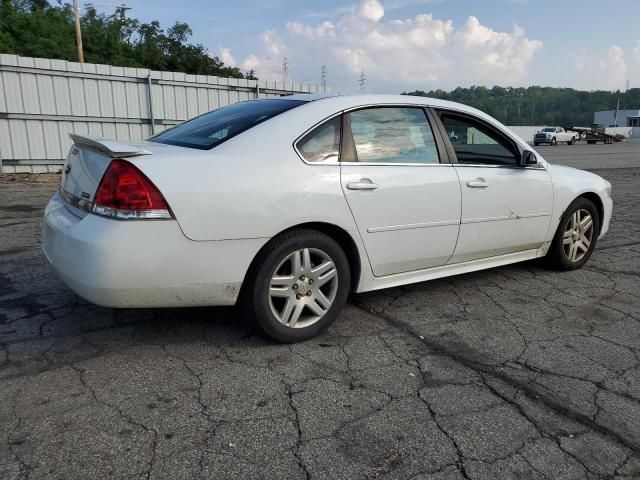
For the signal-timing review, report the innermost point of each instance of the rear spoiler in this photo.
(113, 149)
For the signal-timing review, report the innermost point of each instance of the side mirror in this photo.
(528, 158)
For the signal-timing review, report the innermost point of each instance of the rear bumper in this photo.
(142, 263)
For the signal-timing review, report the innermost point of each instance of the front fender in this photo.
(571, 183)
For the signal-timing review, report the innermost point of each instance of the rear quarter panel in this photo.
(252, 186)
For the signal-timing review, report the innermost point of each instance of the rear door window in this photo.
(398, 135)
(213, 128)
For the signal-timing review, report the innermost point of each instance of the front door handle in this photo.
(363, 184)
(478, 183)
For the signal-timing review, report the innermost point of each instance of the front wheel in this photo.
(298, 286)
(554, 142)
(576, 236)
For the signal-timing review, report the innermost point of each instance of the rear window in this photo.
(213, 128)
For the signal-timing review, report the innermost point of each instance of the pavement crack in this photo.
(204, 408)
(299, 441)
(87, 387)
(26, 468)
(496, 372)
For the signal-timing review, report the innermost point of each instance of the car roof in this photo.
(338, 102)
(373, 98)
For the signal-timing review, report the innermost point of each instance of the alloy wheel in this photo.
(578, 235)
(303, 287)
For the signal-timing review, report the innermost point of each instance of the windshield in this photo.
(213, 128)
(548, 129)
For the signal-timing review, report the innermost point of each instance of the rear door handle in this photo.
(363, 184)
(478, 183)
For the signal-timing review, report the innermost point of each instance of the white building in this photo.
(626, 118)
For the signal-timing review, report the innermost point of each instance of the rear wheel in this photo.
(576, 236)
(298, 286)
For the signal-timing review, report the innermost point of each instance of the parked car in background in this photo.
(285, 205)
(554, 135)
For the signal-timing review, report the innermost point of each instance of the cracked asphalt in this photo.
(512, 373)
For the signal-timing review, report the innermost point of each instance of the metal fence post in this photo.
(150, 94)
(257, 89)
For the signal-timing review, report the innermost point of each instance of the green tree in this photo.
(538, 105)
(38, 28)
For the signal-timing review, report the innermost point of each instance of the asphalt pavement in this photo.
(513, 373)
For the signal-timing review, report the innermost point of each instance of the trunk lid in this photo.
(86, 163)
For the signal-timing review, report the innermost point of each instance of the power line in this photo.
(323, 76)
(363, 82)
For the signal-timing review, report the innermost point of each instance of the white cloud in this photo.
(251, 63)
(325, 29)
(272, 43)
(397, 54)
(268, 65)
(608, 71)
(227, 58)
(371, 10)
(636, 51)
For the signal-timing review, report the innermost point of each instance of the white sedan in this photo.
(286, 205)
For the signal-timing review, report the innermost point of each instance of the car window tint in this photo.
(393, 135)
(213, 128)
(322, 145)
(477, 143)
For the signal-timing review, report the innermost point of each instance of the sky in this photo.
(406, 45)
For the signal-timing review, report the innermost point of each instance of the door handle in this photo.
(478, 183)
(363, 184)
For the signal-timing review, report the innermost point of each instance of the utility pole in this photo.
(78, 33)
(323, 76)
(122, 8)
(285, 70)
(363, 82)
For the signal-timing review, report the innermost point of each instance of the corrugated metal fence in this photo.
(525, 133)
(43, 100)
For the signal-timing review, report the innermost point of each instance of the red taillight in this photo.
(125, 192)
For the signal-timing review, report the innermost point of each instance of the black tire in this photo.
(591, 142)
(255, 299)
(572, 141)
(535, 144)
(557, 256)
(554, 142)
